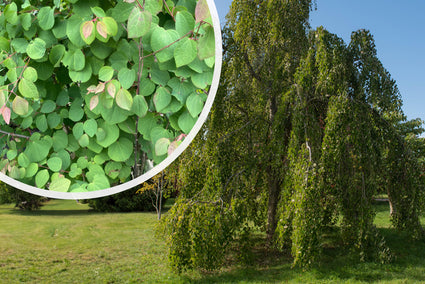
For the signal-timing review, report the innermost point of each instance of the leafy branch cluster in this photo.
(94, 93)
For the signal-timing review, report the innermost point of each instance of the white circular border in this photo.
(160, 167)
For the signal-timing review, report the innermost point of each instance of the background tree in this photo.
(22, 200)
(130, 200)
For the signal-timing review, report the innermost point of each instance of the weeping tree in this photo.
(305, 130)
(224, 176)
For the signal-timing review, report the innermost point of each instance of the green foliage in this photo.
(77, 75)
(198, 206)
(149, 196)
(5, 196)
(77, 232)
(22, 200)
(127, 201)
(189, 244)
(344, 123)
(305, 132)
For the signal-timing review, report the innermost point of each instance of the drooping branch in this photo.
(250, 68)
(224, 138)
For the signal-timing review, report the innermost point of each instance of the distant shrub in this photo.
(23, 200)
(145, 197)
(5, 197)
(127, 201)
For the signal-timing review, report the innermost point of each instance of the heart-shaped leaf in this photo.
(139, 23)
(36, 49)
(121, 150)
(124, 99)
(20, 106)
(87, 32)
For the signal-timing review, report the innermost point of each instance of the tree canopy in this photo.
(306, 130)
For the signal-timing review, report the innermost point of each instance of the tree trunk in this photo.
(390, 202)
(159, 195)
(391, 207)
(273, 181)
(274, 191)
(160, 205)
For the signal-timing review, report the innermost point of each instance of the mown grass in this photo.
(66, 243)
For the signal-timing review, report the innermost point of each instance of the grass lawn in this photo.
(65, 243)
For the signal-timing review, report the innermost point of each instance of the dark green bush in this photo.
(127, 201)
(23, 200)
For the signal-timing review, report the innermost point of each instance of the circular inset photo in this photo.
(98, 96)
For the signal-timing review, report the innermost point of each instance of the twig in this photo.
(14, 134)
(224, 138)
(140, 5)
(250, 68)
(10, 56)
(165, 47)
(169, 11)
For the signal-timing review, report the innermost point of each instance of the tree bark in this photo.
(273, 181)
(274, 191)
(159, 195)
(391, 207)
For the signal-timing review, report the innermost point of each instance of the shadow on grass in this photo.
(336, 271)
(67, 212)
(337, 265)
(58, 212)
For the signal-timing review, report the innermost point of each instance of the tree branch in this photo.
(167, 46)
(169, 11)
(250, 68)
(224, 138)
(14, 134)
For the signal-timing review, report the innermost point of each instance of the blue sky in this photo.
(399, 31)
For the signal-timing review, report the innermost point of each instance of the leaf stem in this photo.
(141, 64)
(10, 56)
(19, 78)
(167, 46)
(140, 5)
(137, 169)
(169, 11)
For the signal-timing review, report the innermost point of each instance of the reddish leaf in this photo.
(94, 101)
(102, 29)
(100, 88)
(173, 146)
(88, 29)
(181, 137)
(112, 90)
(202, 11)
(5, 112)
(91, 89)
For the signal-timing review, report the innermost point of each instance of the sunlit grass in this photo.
(66, 243)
